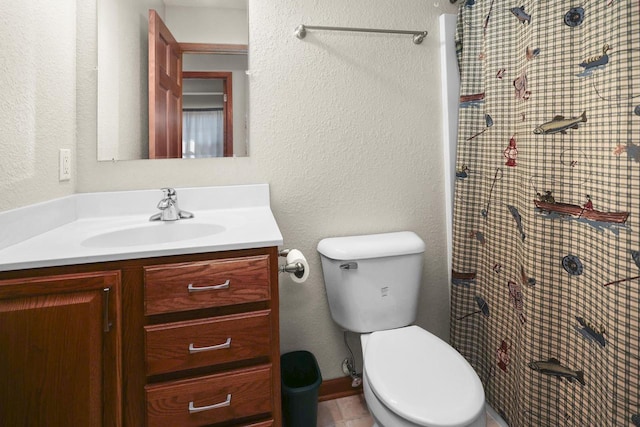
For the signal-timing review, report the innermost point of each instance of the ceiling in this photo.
(220, 4)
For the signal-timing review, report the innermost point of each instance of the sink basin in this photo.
(153, 233)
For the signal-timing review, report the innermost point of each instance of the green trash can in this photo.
(301, 381)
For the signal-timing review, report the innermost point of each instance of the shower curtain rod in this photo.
(301, 31)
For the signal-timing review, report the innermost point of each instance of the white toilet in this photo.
(411, 377)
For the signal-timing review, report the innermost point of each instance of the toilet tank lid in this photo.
(371, 246)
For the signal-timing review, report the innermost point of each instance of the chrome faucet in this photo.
(169, 210)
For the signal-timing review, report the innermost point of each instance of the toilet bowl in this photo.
(411, 377)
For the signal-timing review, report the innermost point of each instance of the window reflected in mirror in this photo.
(207, 109)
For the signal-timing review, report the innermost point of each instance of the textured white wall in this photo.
(351, 123)
(207, 25)
(37, 106)
(344, 127)
(122, 77)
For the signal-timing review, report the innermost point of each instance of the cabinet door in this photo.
(59, 350)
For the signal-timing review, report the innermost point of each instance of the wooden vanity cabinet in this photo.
(192, 340)
(201, 341)
(59, 349)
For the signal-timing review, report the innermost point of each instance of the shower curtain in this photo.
(545, 292)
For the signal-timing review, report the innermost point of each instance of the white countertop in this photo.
(56, 233)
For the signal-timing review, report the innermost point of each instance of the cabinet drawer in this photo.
(204, 342)
(210, 399)
(193, 285)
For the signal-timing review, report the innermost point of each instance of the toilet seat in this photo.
(421, 378)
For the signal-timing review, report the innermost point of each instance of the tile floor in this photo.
(352, 411)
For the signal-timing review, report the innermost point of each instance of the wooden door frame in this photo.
(219, 49)
(227, 106)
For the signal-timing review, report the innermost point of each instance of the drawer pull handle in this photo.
(193, 409)
(193, 288)
(194, 349)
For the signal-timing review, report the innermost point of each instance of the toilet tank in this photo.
(373, 281)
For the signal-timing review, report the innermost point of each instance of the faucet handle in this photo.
(169, 193)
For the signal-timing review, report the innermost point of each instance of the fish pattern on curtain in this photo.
(545, 290)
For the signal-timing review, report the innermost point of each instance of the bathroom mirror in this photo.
(206, 113)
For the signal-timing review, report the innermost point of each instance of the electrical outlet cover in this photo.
(64, 164)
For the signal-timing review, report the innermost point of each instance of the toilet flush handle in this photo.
(349, 266)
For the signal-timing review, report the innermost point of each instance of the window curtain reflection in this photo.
(202, 133)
